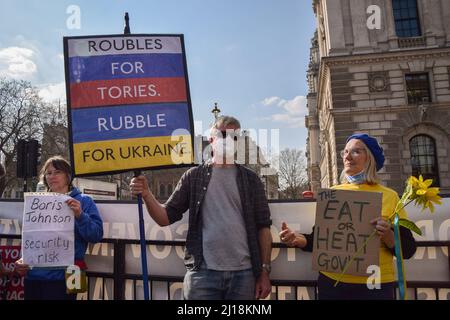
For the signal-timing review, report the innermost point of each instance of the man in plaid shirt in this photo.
(228, 244)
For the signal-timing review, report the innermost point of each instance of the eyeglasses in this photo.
(54, 173)
(353, 152)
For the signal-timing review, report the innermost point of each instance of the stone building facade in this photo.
(381, 67)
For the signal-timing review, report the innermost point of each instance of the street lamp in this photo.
(215, 111)
(59, 111)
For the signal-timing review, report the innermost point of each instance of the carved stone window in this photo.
(424, 158)
(406, 16)
(418, 88)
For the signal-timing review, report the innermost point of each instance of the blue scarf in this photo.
(358, 178)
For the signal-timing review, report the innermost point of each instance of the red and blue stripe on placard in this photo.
(117, 98)
(107, 67)
(126, 79)
(124, 91)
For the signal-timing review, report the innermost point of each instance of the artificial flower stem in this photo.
(396, 211)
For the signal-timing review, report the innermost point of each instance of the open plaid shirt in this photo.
(190, 193)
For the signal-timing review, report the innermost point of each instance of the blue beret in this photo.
(373, 146)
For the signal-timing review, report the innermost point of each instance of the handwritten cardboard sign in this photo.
(47, 230)
(342, 226)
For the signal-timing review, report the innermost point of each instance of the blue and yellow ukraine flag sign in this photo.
(128, 103)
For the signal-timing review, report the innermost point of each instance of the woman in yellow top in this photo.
(362, 158)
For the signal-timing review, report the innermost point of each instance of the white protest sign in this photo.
(48, 230)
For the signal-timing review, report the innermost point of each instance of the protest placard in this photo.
(11, 283)
(47, 230)
(128, 103)
(341, 228)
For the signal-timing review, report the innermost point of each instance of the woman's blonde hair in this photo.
(370, 169)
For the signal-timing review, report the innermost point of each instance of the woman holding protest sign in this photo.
(50, 284)
(362, 158)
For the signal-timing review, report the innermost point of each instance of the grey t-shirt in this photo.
(225, 245)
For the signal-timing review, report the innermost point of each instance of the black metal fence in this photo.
(119, 276)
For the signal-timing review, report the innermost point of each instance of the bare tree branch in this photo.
(292, 173)
(20, 109)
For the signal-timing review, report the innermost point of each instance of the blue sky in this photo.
(250, 56)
